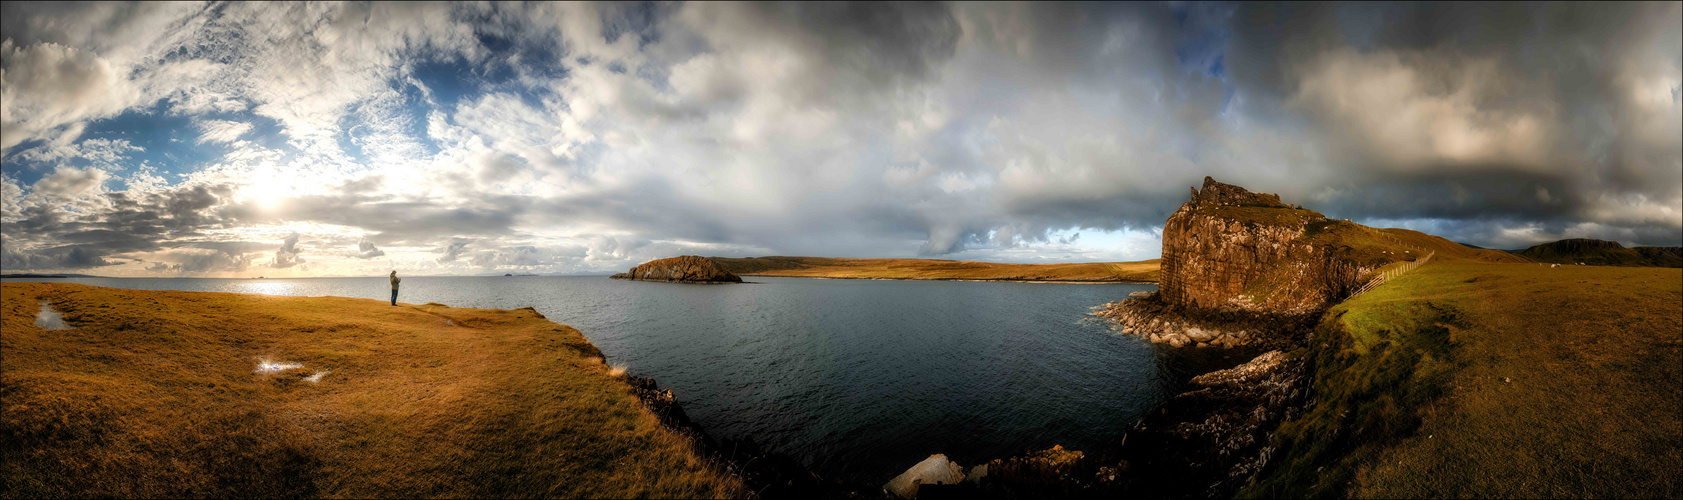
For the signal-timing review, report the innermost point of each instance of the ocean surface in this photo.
(858, 379)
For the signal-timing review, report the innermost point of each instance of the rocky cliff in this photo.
(684, 269)
(1236, 263)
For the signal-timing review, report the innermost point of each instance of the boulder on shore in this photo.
(683, 269)
(933, 470)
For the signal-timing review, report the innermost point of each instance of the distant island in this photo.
(941, 270)
(682, 269)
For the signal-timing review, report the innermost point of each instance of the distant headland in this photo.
(682, 269)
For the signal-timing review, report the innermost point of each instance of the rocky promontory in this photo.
(683, 269)
(1242, 268)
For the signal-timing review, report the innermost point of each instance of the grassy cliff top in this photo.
(931, 269)
(161, 394)
(1469, 379)
(1363, 243)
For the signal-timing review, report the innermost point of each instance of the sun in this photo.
(267, 191)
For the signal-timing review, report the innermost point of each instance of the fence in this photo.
(1387, 275)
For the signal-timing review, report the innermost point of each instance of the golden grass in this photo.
(931, 269)
(1463, 379)
(155, 394)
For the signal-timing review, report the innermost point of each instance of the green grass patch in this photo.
(1493, 380)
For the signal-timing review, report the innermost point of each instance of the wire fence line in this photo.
(1388, 275)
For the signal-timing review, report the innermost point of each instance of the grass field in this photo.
(930, 269)
(1466, 379)
(158, 394)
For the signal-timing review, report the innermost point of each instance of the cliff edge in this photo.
(682, 269)
(1243, 268)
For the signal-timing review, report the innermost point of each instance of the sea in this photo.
(857, 379)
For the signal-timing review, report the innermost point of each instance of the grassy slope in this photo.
(155, 394)
(930, 269)
(1494, 380)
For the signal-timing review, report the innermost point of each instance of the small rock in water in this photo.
(933, 470)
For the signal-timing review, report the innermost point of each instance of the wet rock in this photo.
(1051, 473)
(1213, 439)
(935, 470)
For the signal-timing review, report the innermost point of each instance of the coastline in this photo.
(984, 280)
(154, 393)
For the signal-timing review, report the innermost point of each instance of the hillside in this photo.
(1603, 253)
(165, 394)
(1470, 379)
(931, 269)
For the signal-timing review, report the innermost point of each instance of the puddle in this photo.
(266, 366)
(49, 318)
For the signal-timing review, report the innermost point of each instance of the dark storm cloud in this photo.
(583, 137)
(1548, 102)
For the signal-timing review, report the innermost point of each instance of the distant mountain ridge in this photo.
(1595, 252)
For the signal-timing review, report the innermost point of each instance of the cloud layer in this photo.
(353, 138)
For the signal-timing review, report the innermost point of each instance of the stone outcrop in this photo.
(1237, 265)
(1213, 439)
(935, 470)
(684, 269)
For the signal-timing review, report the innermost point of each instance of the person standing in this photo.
(395, 280)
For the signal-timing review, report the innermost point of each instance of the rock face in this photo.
(684, 269)
(1236, 263)
(1229, 248)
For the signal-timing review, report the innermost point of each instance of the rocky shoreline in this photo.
(1148, 316)
(766, 474)
(1206, 442)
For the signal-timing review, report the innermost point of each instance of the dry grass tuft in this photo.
(157, 394)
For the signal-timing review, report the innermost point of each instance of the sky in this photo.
(292, 139)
